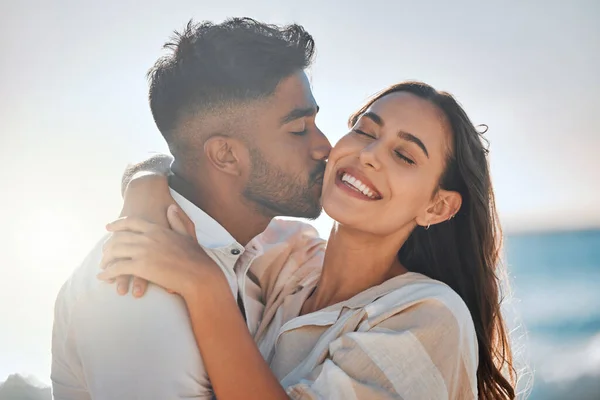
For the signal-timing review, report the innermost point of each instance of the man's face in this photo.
(288, 153)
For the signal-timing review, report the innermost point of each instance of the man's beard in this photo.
(278, 193)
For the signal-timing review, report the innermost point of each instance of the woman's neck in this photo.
(354, 262)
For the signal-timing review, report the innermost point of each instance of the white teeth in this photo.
(358, 185)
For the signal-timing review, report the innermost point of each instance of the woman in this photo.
(407, 302)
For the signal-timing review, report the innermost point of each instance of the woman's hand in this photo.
(147, 196)
(170, 258)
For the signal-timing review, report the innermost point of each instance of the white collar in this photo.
(209, 232)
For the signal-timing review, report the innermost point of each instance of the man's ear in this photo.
(226, 154)
(445, 205)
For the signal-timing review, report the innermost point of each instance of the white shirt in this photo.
(110, 347)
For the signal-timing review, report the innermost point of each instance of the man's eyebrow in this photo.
(409, 137)
(299, 113)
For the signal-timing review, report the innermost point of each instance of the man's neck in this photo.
(242, 222)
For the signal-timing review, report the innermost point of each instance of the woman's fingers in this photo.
(189, 224)
(175, 221)
(125, 245)
(117, 269)
(131, 224)
(150, 253)
(124, 237)
(125, 282)
(120, 251)
(180, 222)
(141, 270)
(139, 286)
(122, 284)
(122, 245)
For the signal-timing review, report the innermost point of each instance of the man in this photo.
(235, 107)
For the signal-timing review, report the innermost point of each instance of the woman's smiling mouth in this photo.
(356, 184)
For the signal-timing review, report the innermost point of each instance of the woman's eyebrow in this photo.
(374, 117)
(409, 137)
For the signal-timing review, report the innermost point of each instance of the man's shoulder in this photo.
(116, 341)
(83, 279)
(83, 293)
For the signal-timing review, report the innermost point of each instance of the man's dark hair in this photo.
(215, 65)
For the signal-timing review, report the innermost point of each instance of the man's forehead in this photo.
(292, 99)
(294, 91)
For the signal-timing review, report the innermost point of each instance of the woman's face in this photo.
(382, 176)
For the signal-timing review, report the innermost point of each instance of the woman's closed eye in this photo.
(363, 133)
(397, 153)
(404, 158)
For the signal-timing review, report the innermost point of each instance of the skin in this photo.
(362, 246)
(282, 129)
(274, 162)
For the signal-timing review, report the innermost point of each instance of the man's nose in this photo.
(321, 147)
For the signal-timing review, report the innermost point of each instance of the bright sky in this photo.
(73, 112)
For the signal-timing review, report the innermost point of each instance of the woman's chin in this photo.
(362, 217)
(344, 213)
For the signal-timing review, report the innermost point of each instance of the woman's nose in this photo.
(369, 156)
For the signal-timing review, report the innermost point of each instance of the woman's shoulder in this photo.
(426, 322)
(432, 290)
(425, 298)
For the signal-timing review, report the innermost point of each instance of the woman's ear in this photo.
(445, 205)
(226, 154)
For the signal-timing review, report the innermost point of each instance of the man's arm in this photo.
(126, 348)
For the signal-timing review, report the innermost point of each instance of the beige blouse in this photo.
(411, 337)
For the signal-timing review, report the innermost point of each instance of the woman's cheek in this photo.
(347, 145)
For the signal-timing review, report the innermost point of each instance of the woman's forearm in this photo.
(234, 364)
(158, 164)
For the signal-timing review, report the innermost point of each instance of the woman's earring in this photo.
(428, 225)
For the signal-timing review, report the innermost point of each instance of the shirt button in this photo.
(235, 252)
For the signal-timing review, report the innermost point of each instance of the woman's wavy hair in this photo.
(464, 252)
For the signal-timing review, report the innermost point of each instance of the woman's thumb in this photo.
(180, 222)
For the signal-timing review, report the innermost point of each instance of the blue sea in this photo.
(555, 311)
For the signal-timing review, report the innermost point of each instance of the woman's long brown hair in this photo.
(464, 252)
